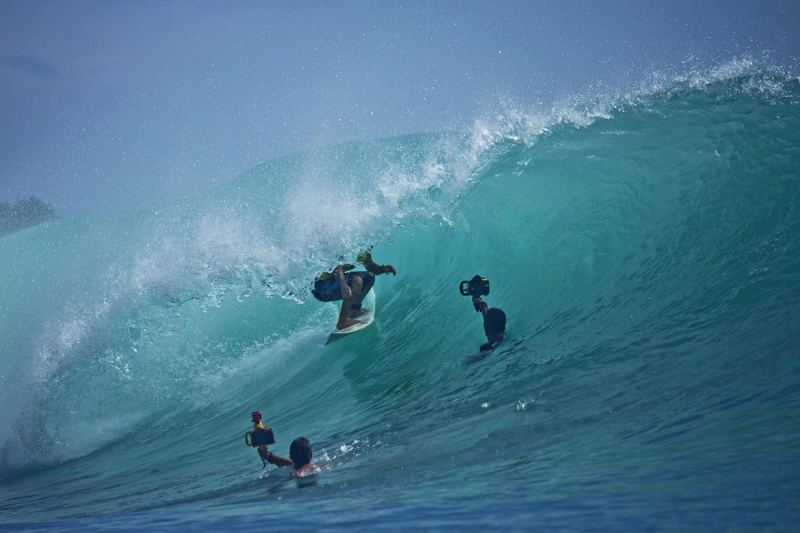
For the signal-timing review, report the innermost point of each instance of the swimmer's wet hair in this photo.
(300, 452)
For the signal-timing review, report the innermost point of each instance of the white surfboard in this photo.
(363, 320)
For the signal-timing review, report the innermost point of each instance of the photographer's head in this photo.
(494, 322)
(300, 452)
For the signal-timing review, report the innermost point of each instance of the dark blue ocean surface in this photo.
(646, 249)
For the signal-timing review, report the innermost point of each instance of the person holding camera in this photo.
(299, 457)
(494, 319)
(494, 323)
(299, 452)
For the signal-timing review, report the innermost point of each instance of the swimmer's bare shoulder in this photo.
(308, 470)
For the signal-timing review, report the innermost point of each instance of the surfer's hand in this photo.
(346, 291)
(389, 269)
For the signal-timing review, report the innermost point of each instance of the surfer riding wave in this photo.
(349, 286)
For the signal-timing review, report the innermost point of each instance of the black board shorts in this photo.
(328, 290)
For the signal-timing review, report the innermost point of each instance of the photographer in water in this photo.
(299, 457)
(494, 319)
(299, 452)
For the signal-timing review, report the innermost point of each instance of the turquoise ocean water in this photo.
(645, 247)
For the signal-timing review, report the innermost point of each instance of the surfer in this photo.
(494, 323)
(349, 286)
(299, 457)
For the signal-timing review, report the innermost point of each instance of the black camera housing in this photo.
(477, 286)
(260, 437)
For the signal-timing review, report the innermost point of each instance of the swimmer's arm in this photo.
(480, 305)
(276, 460)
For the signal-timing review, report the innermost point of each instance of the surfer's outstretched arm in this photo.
(375, 268)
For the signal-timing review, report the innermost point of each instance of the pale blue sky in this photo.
(107, 105)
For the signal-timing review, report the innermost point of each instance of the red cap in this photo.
(256, 416)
